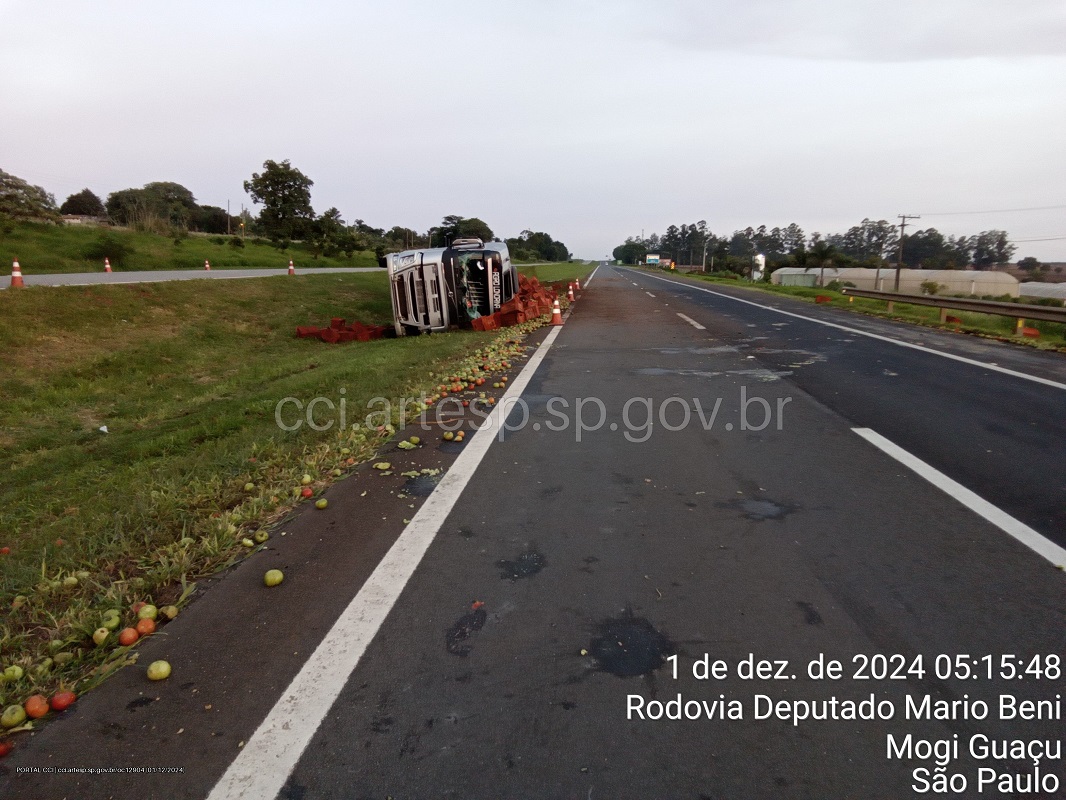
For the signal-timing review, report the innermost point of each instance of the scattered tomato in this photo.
(36, 706)
(145, 626)
(128, 636)
(61, 700)
(5, 748)
(158, 671)
(13, 716)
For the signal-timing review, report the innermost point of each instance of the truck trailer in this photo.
(443, 287)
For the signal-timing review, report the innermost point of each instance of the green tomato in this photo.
(13, 716)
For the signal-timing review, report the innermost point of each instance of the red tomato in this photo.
(128, 636)
(138, 606)
(5, 748)
(307, 491)
(61, 701)
(144, 627)
(36, 706)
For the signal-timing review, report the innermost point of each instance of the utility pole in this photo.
(899, 253)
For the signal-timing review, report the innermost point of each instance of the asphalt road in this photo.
(153, 276)
(579, 566)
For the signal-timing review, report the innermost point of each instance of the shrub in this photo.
(108, 246)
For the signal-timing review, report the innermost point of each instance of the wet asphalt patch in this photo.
(629, 646)
(422, 486)
(465, 627)
(525, 564)
(758, 509)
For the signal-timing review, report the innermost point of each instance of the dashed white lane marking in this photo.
(263, 766)
(649, 294)
(691, 322)
(1035, 541)
(858, 331)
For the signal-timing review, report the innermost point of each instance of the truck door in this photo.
(435, 314)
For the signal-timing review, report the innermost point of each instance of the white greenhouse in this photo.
(950, 281)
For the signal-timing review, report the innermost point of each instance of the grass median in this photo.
(186, 378)
(47, 249)
(561, 271)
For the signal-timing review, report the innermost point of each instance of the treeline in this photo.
(284, 192)
(868, 244)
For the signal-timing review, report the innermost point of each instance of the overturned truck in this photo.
(438, 288)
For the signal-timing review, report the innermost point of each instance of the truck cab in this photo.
(439, 288)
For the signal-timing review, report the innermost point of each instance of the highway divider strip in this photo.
(263, 766)
(1035, 541)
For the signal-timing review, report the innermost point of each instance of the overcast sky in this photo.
(589, 119)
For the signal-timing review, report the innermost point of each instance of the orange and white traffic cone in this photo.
(557, 314)
(577, 284)
(207, 265)
(16, 275)
(570, 292)
(107, 265)
(292, 269)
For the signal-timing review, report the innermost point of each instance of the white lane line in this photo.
(1036, 542)
(691, 322)
(858, 331)
(262, 767)
(588, 280)
(649, 294)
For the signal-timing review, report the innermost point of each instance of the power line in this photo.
(991, 211)
(1044, 239)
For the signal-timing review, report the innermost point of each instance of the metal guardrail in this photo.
(1020, 311)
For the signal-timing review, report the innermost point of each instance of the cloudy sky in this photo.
(592, 120)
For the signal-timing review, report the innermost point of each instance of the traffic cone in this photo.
(107, 265)
(292, 269)
(577, 283)
(207, 265)
(557, 314)
(570, 292)
(16, 275)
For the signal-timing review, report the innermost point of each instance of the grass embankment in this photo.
(1052, 334)
(42, 248)
(562, 271)
(186, 376)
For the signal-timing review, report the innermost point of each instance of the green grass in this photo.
(186, 376)
(562, 271)
(1052, 334)
(42, 248)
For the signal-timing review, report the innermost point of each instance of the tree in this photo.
(632, 252)
(211, 219)
(160, 206)
(84, 203)
(1028, 264)
(532, 246)
(328, 233)
(454, 227)
(991, 248)
(21, 201)
(821, 255)
(285, 194)
(869, 241)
